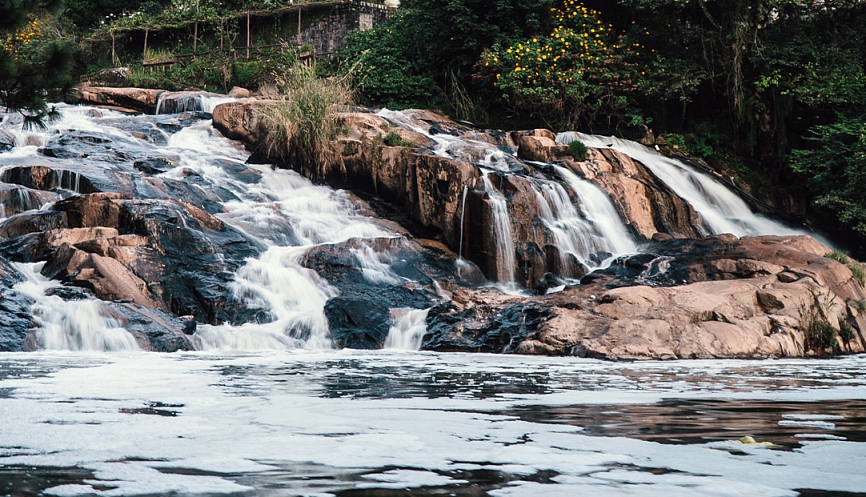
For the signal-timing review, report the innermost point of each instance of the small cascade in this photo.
(408, 329)
(463, 148)
(374, 269)
(462, 216)
(505, 260)
(175, 103)
(721, 208)
(289, 215)
(295, 297)
(596, 207)
(573, 234)
(70, 325)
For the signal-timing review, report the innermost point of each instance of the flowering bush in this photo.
(19, 40)
(580, 69)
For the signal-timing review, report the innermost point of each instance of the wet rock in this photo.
(646, 204)
(357, 323)
(32, 222)
(40, 245)
(154, 329)
(482, 328)
(7, 141)
(156, 165)
(107, 278)
(15, 314)
(15, 199)
(137, 99)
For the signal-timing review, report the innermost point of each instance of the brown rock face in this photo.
(138, 99)
(540, 145)
(107, 278)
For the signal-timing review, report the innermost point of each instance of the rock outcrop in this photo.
(710, 298)
(437, 189)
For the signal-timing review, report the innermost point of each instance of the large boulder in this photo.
(139, 99)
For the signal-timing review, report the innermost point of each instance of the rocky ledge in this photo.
(108, 222)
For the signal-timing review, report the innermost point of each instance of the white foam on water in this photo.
(252, 415)
(70, 324)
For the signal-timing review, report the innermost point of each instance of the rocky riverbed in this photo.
(494, 241)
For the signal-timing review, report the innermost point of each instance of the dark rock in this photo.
(31, 222)
(156, 165)
(480, 328)
(358, 323)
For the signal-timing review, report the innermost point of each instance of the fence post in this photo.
(144, 54)
(299, 25)
(195, 41)
(248, 35)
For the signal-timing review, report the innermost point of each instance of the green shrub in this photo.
(577, 150)
(305, 123)
(392, 139)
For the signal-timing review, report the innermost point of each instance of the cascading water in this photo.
(70, 325)
(596, 206)
(408, 329)
(505, 265)
(580, 235)
(192, 102)
(722, 209)
(283, 213)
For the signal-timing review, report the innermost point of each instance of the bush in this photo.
(392, 139)
(577, 150)
(304, 124)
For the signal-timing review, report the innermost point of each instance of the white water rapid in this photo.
(81, 325)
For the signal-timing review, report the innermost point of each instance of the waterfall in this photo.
(462, 215)
(189, 102)
(408, 329)
(505, 260)
(721, 208)
(70, 324)
(592, 235)
(596, 206)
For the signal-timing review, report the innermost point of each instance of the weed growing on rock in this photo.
(857, 271)
(392, 139)
(819, 334)
(304, 124)
(577, 150)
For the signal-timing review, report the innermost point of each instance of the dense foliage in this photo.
(35, 66)
(429, 46)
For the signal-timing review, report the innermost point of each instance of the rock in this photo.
(31, 222)
(241, 121)
(15, 199)
(646, 204)
(39, 246)
(112, 76)
(238, 92)
(540, 146)
(138, 99)
(92, 210)
(107, 278)
(357, 323)
(7, 141)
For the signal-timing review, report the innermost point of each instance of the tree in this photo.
(33, 68)
(431, 44)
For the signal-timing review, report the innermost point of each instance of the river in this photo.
(350, 423)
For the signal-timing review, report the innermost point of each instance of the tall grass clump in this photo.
(304, 124)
